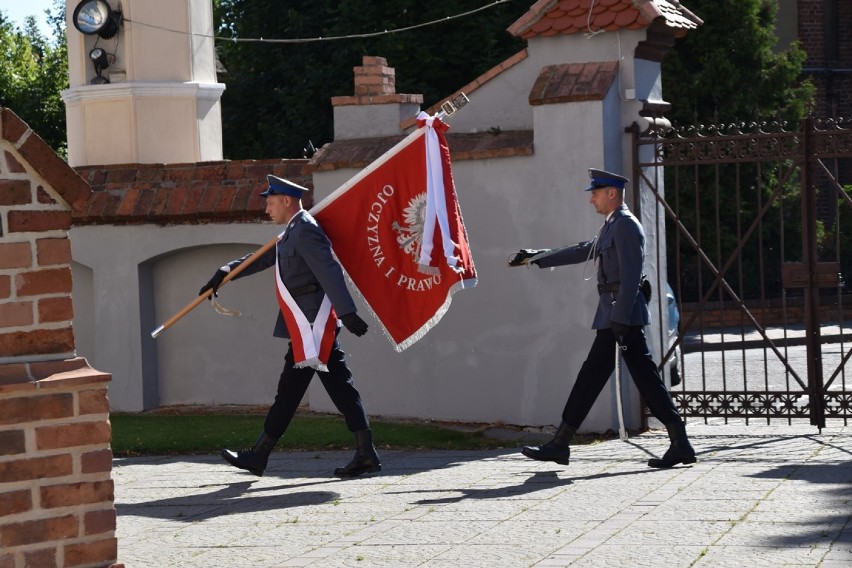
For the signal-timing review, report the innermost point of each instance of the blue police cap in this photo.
(601, 178)
(279, 186)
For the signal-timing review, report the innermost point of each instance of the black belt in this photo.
(302, 290)
(608, 287)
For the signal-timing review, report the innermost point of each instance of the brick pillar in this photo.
(56, 490)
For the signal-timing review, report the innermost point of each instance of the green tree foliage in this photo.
(33, 71)
(727, 77)
(278, 95)
(727, 70)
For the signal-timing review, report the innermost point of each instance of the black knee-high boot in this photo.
(254, 459)
(680, 450)
(366, 458)
(556, 450)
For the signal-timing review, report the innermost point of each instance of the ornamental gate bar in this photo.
(758, 235)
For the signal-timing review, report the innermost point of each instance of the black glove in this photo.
(621, 331)
(213, 284)
(354, 324)
(523, 256)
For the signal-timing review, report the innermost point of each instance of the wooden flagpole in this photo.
(191, 306)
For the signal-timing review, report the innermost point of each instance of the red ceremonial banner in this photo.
(377, 222)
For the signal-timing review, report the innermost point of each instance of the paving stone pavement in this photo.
(760, 495)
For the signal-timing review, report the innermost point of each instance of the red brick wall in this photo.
(35, 266)
(56, 491)
(770, 313)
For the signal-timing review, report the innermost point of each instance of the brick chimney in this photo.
(375, 109)
(56, 491)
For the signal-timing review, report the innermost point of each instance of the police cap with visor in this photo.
(601, 178)
(280, 186)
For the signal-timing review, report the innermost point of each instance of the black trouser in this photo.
(337, 382)
(599, 365)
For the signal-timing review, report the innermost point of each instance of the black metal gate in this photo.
(758, 225)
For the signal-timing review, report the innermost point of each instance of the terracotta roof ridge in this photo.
(686, 12)
(67, 184)
(566, 17)
(533, 15)
(166, 194)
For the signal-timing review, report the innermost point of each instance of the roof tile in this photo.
(174, 205)
(160, 201)
(563, 23)
(605, 19)
(226, 200)
(625, 18)
(128, 202)
(577, 10)
(143, 204)
(97, 204)
(192, 203)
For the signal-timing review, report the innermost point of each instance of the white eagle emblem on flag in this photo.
(410, 237)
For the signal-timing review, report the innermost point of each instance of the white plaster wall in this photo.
(500, 103)
(211, 358)
(83, 302)
(204, 358)
(367, 121)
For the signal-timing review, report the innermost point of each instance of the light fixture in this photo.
(101, 61)
(96, 17)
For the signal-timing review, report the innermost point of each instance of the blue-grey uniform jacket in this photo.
(308, 270)
(620, 255)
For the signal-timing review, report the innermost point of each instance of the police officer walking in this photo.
(622, 312)
(311, 293)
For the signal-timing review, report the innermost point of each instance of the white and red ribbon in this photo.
(311, 343)
(437, 173)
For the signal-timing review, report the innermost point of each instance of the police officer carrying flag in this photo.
(622, 312)
(311, 293)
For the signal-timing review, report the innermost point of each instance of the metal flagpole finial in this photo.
(451, 106)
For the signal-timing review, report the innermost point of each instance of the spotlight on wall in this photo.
(101, 61)
(96, 17)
